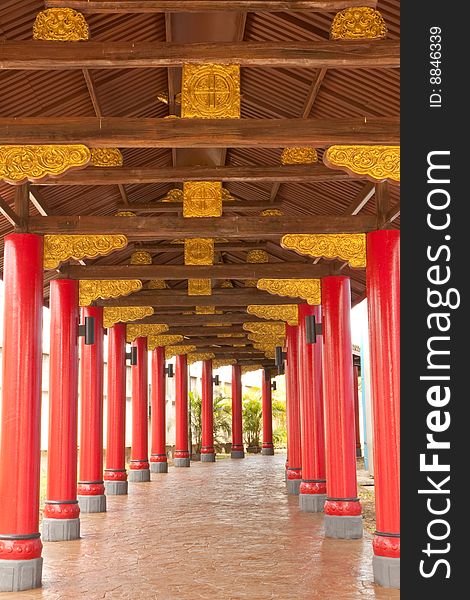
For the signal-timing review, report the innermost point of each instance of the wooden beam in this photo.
(199, 320)
(393, 213)
(248, 350)
(382, 203)
(177, 207)
(222, 247)
(200, 331)
(222, 342)
(22, 205)
(9, 213)
(362, 198)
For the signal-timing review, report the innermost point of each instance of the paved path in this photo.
(224, 531)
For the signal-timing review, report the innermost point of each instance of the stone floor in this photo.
(223, 531)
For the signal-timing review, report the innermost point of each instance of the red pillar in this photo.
(294, 468)
(266, 395)
(158, 459)
(61, 512)
(181, 458)
(356, 410)
(115, 475)
(20, 543)
(383, 297)
(207, 408)
(312, 494)
(237, 415)
(139, 468)
(342, 508)
(90, 489)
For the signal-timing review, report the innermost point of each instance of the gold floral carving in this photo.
(271, 212)
(171, 351)
(257, 256)
(199, 287)
(299, 156)
(92, 289)
(273, 329)
(30, 162)
(199, 251)
(135, 330)
(226, 283)
(210, 91)
(230, 335)
(261, 338)
(347, 246)
(141, 257)
(202, 199)
(358, 23)
(309, 289)
(271, 354)
(377, 163)
(226, 195)
(275, 312)
(174, 195)
(205, 310)
(223, 362)
(58, 248)
(60, 25)
(125, 213)
(195, 357)
(122, 314)
(155, 340)
(106, 157)
(250, 368)
(157, 284)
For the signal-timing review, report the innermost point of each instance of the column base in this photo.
(209, 457)
(115, 488)
(159, 467)
(20, 575)
(293, 486)
(312, 502)
(345, 528)
(60, 530)
(182, 462)
(237, 454)
(92, 504)
(386, 571)
(138, 475)
(267, 451)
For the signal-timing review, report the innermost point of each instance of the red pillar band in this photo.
(383, 298)
(266, 395)
(207, 409)
(116, 416)
(158, 403)
(139, 449)
(21, 397)
(181, 406)
(294, 468)
(62, 500)
(312, 425)
(339, 399)
(237, 420)
(356, 410)
(91, 417)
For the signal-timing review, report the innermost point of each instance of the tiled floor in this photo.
(224, 531)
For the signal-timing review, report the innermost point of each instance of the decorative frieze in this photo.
(346, 246)
(59, 248)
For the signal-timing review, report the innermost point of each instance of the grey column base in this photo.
(386, 571)
(182, 462)
(210, 457)
(237, 454)
(92, 504)
(159, 467)
(345, 528)
(20, 575)
(267, 451)
(138, 475)
(60, 530)
(293, 486)
(312, 502)
(115, 488)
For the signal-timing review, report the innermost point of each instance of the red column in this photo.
(342, 508)
(61, 512)
(158, 459)
(20, 543)
(90, 489)
(313, 487)
(356, 410)
(237, 415)
(294, 468)
(266, 395)
(139, 468)
(383, 297)
(181, 458)
(207, 408)
(115, 475)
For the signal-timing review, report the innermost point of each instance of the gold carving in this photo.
(174, 195)
(58, 248)
(271, 212)
(162, 97)
(358, 24)
(157, 284)
(60, 25)
(32, 162)
(223, 362)
(230, 335)
(195, 357)
(205, 310)
(274, 329)
(211, 91)
(171, 351)
(141, 257)
(250, 368)
(281, 312)
(309, 289)
(122, 314)
(92, 289)
(135, 330)
(257, 256)
(271, 354)
(262, 338)
(226, 283)
(155, 340)
(199, 287)
(226, 195)
(125, 213)
(199, 251)
(299, 156)
(202, 199)
(347, 246)
(106, 157)
(377, 163)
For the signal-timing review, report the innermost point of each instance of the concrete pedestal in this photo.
(386, 571)
(293, 486)
(115, 488)
(267, 451)
(60, 530)
(20, 575)
(182, 462)
(237, 454)
(312, 502)
(346, 528)
(210, 457)
(159, 467)
(92, 504)
(138, 475)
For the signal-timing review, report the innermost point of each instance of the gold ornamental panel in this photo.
(346, 246)
(230, 335)
(123, 314)
(199, 287)
(309, 289)
(135, 330)
(210, 91)
(171, 351)
(205, 310)
(376, 163)
(155, 340)
(202, 199)
(125, 213)
(275, 312)
(359, 23)
(31, 162)
(92, 289)
(59, 248)
(199, 251)
(271, 212)
(157, 284)
(60, 25)
(257, 256)
(217, 363)
(141, 257)
(273, 329)
(106, 157)
(226, 284)
(261, 338)
(227, 196)
(299, 156)
(174, 195)
(194, 357)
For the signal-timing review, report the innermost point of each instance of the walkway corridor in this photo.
(224, 531)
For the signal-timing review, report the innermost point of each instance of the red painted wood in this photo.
(181, 406)
(139, 448)
(266, 394)
(207, 409)
(356, 409)
(158, 402)
(294, 469)
(237, 418)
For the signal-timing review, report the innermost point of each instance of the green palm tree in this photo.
(222, 414)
